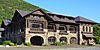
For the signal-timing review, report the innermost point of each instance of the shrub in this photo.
(57, 43)
(11, 44)
(65, 43)
(28, 44)
(7, 43)
(97, 39)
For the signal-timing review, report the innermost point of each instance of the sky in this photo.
(89, 9)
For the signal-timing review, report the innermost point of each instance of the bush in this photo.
(97, 39)
(11, 44)
(7, 43)
(65, 43)
(57, 43)
(28, 44)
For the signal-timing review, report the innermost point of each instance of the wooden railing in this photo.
(32, 30)
(86, 32)
(51, 30)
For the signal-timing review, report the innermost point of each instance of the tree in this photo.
(96, 33)
(96, 29)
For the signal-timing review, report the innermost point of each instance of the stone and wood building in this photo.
(40, 28)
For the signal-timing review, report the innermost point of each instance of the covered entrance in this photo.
(36, 40)
(88, 39)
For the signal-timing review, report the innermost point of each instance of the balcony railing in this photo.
(51, 30)
(34, 30)
(86, 32)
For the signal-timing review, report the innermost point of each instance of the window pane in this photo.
(61, 28)
(36, 25)
(72, 29)
(86, 28)
(83, 28)
(50, 27)
(89, 29)
(51, 39)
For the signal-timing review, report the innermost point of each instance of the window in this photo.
(73, 40)
(50, 27)
(86, 29)
(72, 29)
(63, 39)
(83, 28)
(62, 28)
(51, 39)
(36, 25)
(89, 29)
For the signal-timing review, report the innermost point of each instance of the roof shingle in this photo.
(82, 19)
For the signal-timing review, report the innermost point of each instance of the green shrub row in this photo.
(59, 43)
(8, 43)
(97, 39)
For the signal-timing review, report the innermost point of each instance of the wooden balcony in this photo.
(86, 32)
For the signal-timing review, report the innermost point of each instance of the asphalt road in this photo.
(49, 48)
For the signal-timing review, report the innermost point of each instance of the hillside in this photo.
(8, 7)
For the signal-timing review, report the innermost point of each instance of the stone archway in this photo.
(63, 39)
(51, 40)
(36, 40)
(73, 40)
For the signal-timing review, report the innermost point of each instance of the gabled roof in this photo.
(82, 19)
(23, 13)
(60, 15)
(55, 18)
(63, 19)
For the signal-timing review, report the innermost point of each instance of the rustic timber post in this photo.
(57, 32)
(68, 31)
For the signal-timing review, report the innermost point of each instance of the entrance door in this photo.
(37, 40)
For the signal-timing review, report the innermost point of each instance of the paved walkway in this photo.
(69, 47)
(32, 48)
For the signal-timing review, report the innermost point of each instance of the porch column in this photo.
(57, 36)
(88, 28)
(68, 31)
(85, 28)
(68, 27)
(92, 29)
(80, 34)
(27, 36)
(57, 33)
(45, 37)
